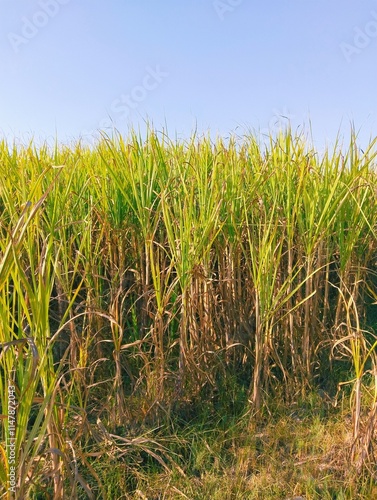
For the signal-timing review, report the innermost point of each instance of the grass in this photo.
(300, 449)
(189, 320)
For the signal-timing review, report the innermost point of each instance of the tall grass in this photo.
(144, 275)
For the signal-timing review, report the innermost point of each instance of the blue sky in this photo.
(70, 67)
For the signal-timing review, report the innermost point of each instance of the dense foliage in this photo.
(143, 280)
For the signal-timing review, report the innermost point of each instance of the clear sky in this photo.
(70, 67)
